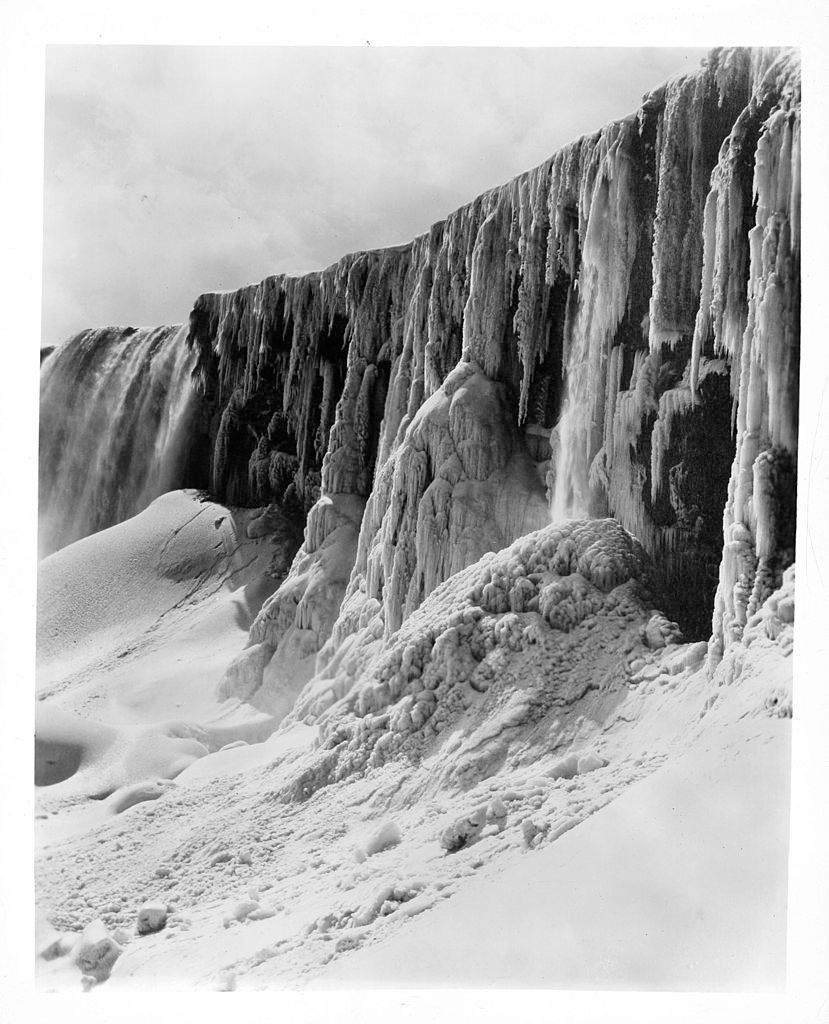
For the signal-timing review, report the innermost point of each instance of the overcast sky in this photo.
(171, 171)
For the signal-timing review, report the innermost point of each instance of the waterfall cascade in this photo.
(116, 414)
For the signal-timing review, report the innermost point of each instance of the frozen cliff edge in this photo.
(635, 299)
(614, 333)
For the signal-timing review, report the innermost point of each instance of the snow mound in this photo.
(498, 648)
(66, 744)
(181, 581)
(76, 757)
(135, 627)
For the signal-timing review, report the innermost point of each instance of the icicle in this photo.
(395, 383)
(764, 467)
(672, 404)
(610, 236)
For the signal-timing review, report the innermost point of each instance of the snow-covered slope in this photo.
(451, 777)
(135, 626)
(679, 884)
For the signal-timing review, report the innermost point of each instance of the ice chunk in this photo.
(96, 951)
(152, 917)
(384, 838)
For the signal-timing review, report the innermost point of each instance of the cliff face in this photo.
(614, 333)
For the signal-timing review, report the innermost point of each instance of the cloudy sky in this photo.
(171, 171)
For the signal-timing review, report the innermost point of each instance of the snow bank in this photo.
(680, 884)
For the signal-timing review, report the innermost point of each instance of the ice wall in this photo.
(116, 421)
(752, 228)
(613, 333)
(552, 329)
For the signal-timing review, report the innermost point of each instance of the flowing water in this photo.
(115, 408)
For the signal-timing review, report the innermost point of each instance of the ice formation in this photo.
(633, 300)
(499, 621)
(542, 464)
(761, 339)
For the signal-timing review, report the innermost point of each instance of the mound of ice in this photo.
(496, 646)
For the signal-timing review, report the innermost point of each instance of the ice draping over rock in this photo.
(289, 631)
(636, 438)
(752, 231)
(511, 628)
(580, 327)
(271, 360)
(579, 286)
(116, 414)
